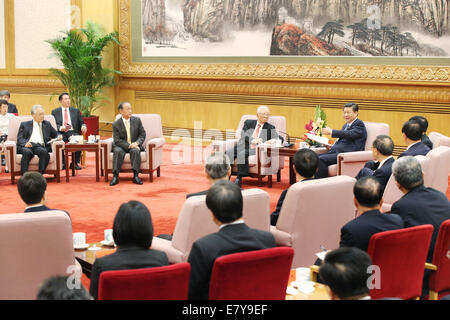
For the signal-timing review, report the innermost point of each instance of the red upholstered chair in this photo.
(252, 275)
(440, 277)
(400, 256)
(160, 283)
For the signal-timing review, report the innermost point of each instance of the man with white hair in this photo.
(217, 167)
(33, 138)
(419, 205)
(254, 132)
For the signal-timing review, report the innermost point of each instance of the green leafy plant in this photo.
(80, 52)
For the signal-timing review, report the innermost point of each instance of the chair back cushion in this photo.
(253, 275)
(400, 257)
(14, 124)
(34, 247)
(159, 283)
(440, 279)
(279, 122)
(439, 139)
(313, 214)
(195, 219)
(440, 167)
(151, 123)
(374, 129)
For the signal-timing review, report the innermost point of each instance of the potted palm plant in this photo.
(80, 53)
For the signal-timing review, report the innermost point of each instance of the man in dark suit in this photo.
(412, 134)
(381, 168)
(32, 139)
(305, 166)
(419, 205)
(424, 125)
(6, 95)
(224, 199)
(129, 136)
(368, 199)
(352, 137)
(32, 188)
(69, 122)
(217, 167)
(254, 133)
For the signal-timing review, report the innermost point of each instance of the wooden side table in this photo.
(88, 147)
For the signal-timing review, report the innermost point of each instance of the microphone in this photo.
(288, 144)
(100, 128)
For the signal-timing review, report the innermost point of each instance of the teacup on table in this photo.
(79, 240)
(109, 240)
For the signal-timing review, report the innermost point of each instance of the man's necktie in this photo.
(256, 133)
(42, 135)
(66, 117)
(127, 126)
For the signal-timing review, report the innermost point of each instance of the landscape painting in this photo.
(247, 28)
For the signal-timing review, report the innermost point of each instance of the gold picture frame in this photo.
(373, 70)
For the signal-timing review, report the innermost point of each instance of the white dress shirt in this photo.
(36, 136)
(260, 129)
(129, 126)
(68, 116)
(228, 224)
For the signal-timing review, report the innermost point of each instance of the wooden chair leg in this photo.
(433, 295)
(279, 175)
(158, 172)
(151, 175)
(270, 181)
(259, 181)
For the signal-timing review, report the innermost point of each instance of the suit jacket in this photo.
(75, 117)
(26, 130)
(42, 208)
(357, 232)
(12, 108)
(268, 132)
(352, 139)
(120, 133)
(418, 149)
(126, 257)
(229, 239)
(421, 206)
(384, 172)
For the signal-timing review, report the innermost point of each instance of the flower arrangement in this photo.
(316, 126)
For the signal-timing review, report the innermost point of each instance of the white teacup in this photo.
(109, 235)
(91, 139)
(79, 239)
(302, 274)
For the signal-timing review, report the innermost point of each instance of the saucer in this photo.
(291, 290)
(85, 246)
(108, 244)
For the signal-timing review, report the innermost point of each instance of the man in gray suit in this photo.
(128, 135)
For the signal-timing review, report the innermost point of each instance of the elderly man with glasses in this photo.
(254, 132)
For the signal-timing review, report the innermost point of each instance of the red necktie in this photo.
(66, 117)
(256, 134)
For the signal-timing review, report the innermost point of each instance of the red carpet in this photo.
(93, 205)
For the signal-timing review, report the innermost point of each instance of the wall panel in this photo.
(2, 35)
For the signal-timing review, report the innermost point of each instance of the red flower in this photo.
(309, 126)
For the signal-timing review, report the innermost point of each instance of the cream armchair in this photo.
(261, 164)
(13, 158)
(349, 163)
(151, 157)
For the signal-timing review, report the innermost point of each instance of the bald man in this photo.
(254, 132)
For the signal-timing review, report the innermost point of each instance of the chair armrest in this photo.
(314, 272)
(357, 156)
(430, 266)
(224, 145)
(108, 143)
(156, 142)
